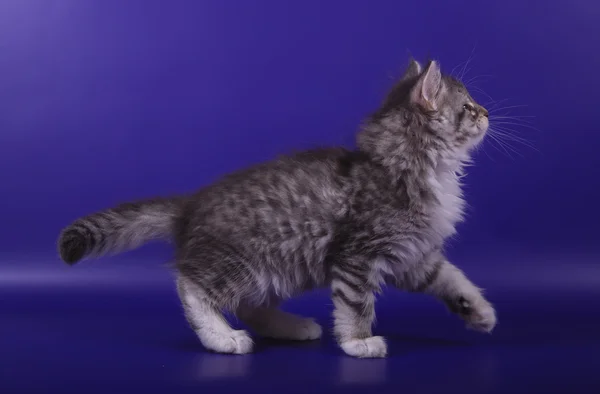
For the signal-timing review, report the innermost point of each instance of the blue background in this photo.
(107, 101)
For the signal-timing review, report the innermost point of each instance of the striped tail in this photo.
(118, 229)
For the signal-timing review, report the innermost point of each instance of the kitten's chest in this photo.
(447, 207)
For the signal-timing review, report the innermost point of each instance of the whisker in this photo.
(486, 153)
(495, 104)
(513, 116)
(524, 125)
(464, 69)
(453, 72)
(508, 133)
(506, 137)
(508, 146)
(481, 147)
(521, 121)
(475, 89)
(467, 71)
(506, 129)
(509, 107)
(477, 77)
(494, 138)
(516, 124)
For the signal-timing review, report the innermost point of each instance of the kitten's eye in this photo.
(468, 107)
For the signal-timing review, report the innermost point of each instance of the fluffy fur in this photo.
(350, 220)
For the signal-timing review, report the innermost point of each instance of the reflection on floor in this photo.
(119, 328)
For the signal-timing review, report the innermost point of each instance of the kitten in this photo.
(350, 220)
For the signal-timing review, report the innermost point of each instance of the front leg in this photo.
(438, 277)
(353, 297)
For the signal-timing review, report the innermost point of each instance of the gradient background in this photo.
(103, 101)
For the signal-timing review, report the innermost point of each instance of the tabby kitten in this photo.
(350, 220)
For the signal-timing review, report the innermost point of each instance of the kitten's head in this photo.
(439, 104)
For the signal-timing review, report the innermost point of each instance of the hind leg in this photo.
(208, 321)
(272, 322)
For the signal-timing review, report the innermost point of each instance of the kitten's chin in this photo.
(481, 132)
(482, 125)
(476, 140)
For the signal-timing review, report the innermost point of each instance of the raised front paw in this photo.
(478, 314)
(372, 347)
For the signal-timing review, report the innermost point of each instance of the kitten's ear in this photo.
(427, 88)
(414, 70)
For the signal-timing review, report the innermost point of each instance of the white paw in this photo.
(365, 348)
(243, 342)
(235, 342)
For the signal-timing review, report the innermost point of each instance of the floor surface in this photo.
(116, 326)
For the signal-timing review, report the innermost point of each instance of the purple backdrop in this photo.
(104, 101)
(110, 100)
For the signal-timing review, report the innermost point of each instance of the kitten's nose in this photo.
(483, 111)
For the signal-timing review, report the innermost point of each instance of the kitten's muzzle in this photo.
(478, 111)
(481, 117)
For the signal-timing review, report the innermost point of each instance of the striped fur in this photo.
(348, 220)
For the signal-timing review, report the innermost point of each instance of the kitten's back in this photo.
(306, 186)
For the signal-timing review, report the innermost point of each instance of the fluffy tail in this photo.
(114, 230)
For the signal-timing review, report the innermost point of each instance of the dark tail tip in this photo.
(72, 246)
